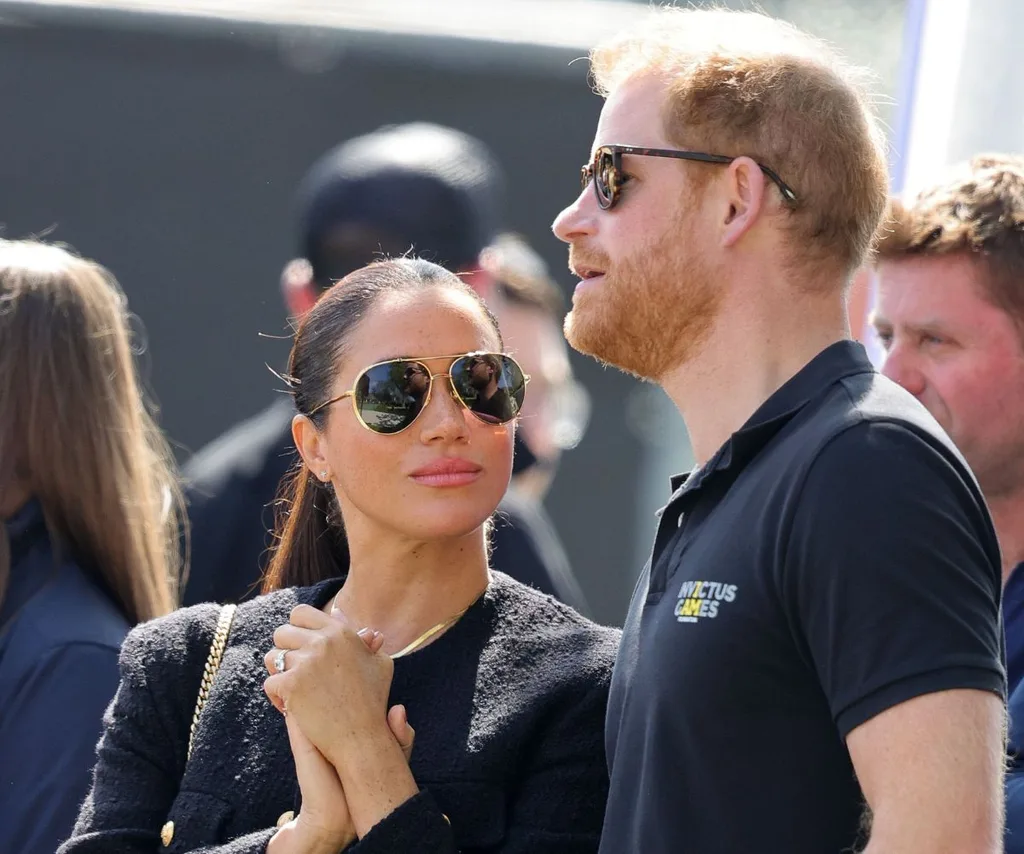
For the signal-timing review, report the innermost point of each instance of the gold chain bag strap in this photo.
(220, 640)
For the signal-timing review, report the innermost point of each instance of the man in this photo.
(416, 187)
(950, 316)
(812, 658)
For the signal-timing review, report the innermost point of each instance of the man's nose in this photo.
(579, 219)
(901, 365)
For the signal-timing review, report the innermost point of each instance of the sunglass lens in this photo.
(605, 178)
(390, 396)
(492, 386)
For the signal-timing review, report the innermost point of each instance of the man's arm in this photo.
(893, 579)
(930, 759)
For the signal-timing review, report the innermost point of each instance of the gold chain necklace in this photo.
(428, 634)
(423, 638)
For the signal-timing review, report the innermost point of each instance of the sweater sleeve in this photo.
(558, 807)
(141, 755)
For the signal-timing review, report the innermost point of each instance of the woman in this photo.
(89, 515)
(506, 687)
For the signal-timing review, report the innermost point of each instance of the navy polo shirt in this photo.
(833, 559)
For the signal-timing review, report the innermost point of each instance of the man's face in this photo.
(646, 298)
(961, 356)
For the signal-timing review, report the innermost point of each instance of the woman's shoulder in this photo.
(539, 620)
(185, 635)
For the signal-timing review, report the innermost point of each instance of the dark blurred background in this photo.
(166, 140)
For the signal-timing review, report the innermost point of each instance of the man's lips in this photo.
(587, 272)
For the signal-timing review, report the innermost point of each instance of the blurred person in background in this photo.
(419, 187)
(813, 659)
(530, 309)
(950, 316)
(90, 512)
(380, 611)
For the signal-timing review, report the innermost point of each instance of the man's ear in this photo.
(744, 197)
(299, 290)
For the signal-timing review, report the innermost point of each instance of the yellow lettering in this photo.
(690, 608)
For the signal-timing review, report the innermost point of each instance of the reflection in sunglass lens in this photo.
(390, 396)
(606, 177)
(491, 386)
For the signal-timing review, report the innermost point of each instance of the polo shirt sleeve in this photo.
(890, 575)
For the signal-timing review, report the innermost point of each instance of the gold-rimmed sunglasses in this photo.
(387, 397)
(605, 170)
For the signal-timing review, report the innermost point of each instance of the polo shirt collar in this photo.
(836, 362)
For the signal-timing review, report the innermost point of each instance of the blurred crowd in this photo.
(900, 580)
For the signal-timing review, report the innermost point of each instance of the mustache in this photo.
(589, 259)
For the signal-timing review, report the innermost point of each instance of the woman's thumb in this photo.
(405, 735)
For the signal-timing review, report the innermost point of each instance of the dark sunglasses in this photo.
(389, 396)
(605, 170)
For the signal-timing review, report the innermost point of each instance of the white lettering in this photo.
(730, 592)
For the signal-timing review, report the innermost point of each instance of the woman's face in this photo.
(383, 482)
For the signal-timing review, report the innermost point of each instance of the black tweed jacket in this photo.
(508, 707)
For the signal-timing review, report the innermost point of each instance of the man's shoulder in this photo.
(850, 421)
(244, 452)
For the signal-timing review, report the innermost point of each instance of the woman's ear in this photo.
(312, 447)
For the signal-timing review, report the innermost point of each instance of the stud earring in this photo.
(323, 475)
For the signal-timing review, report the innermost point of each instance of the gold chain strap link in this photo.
(220, 640)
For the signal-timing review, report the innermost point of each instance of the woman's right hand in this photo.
(323, 822)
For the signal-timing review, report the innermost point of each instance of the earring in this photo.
(323, 475)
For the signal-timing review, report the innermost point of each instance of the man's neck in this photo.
(1008, 517)
(746, 358)
(403, 588)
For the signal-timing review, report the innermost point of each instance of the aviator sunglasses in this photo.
(605, 170)
(388, 397)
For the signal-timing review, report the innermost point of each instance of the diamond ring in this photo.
(279, 662)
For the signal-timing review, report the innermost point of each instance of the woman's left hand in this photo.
(334, 684)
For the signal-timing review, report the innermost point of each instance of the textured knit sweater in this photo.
(508, 707)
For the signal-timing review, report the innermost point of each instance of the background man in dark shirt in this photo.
(950, 315)
(418, 187)
(818, 627)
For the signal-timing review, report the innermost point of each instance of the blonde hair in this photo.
(741, 83)
(75, 430)
(976, 210)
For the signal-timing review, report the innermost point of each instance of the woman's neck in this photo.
(402, 589)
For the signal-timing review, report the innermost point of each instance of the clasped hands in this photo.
(351, 751)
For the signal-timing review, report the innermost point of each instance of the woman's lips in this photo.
(447, 471)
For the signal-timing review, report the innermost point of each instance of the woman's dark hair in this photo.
(309, 540)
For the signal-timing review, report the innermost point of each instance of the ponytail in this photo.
(309, 540)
